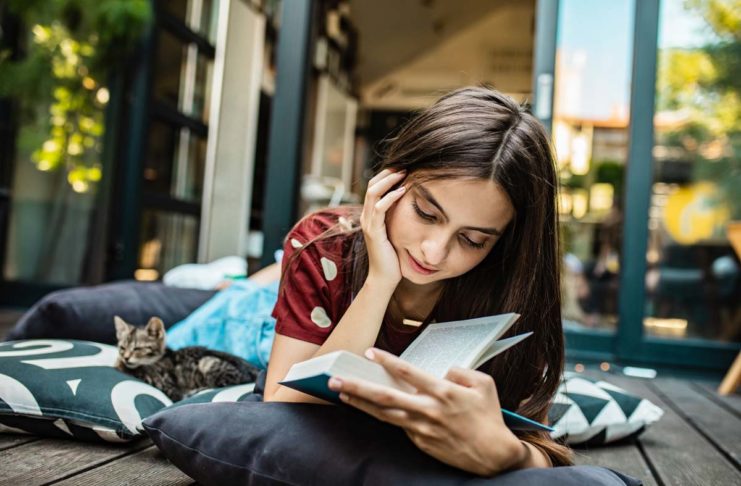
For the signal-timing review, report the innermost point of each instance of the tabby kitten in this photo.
(178, 373)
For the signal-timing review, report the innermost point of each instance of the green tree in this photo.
(700, 87)
(70, 47)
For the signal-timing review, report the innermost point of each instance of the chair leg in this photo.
(732, 379)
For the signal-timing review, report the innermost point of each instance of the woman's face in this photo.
(443, 228)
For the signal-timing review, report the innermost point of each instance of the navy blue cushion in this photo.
(298, 443)
(86, 313)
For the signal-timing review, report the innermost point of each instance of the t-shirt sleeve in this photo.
(305, 308)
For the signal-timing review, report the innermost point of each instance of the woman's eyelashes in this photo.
(422, 214)
(431, 218)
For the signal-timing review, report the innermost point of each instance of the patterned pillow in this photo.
(69, 388)
(593, 412)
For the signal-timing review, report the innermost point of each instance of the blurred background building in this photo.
(137, 135)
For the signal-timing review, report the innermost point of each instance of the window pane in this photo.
(168, 240)
(693, 282)
(190, 167)
(53, 235)
(590, 133)
(209, 19)
(202, 91)
(177, 8)
(160, 159)
(169, 66)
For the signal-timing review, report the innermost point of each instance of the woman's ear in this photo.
(155, 327)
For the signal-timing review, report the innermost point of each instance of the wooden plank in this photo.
(13, 440)
(731, 402)
(717, 424)
(678, 454)
(624, 457)
(47, 460)
(148, 467)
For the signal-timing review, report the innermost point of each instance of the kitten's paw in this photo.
(208, 364)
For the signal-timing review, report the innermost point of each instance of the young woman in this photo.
(461, 222)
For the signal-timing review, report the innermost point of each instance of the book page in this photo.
(499, 347)
(444, 347)
(457, 343)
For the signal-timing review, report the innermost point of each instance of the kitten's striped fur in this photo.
(178, 373)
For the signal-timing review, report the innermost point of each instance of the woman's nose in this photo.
(434, 251)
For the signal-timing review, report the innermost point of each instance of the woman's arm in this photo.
(356, 332)
(359, 326)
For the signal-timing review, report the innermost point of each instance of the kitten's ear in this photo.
(122, 329)
(155, 327)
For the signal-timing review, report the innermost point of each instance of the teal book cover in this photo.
(317, 386)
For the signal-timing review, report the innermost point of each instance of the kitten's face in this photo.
(140, 346)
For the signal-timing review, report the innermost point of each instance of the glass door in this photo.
(590, 121)
(693, 273)
(645, 123)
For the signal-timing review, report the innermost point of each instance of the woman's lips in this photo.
(418, 267)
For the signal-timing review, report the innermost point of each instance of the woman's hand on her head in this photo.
(383, 264)
(457, 420)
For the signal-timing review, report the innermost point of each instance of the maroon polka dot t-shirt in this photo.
(314, 293)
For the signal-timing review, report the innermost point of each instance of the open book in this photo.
(467, 344)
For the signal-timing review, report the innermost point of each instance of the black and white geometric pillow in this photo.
(594, 412)
(69, 388)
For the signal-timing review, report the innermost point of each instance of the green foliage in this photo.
(574, 181)
(611, 172)
(68, 53)
(702, 87)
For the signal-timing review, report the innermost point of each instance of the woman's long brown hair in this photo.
(479, 133)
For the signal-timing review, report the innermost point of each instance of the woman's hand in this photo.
(457, 420)
(383, 264)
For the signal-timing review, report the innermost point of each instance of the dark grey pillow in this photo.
(298, 443)
(86, 313)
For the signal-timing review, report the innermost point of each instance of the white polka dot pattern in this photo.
(330, 269)
(295, 243)
(320, 318)
(345, 223)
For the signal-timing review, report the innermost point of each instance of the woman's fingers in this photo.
(379, 395)
(380, 187)
(378, 200)
(393, 416)
(379, 176)
(463, 377)
(405, 371)
(389, 199)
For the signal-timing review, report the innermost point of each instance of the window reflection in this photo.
(168, 239)
(202, 89)
(158, 164)
(590, 134)
(169, 68)
(693, 282)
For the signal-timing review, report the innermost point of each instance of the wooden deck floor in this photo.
(697, 442)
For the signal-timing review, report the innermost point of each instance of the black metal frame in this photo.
(287, 121)
(9, 26)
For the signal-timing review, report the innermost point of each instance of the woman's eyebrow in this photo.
(427, 195)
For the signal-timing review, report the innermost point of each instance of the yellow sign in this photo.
(694, 213)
